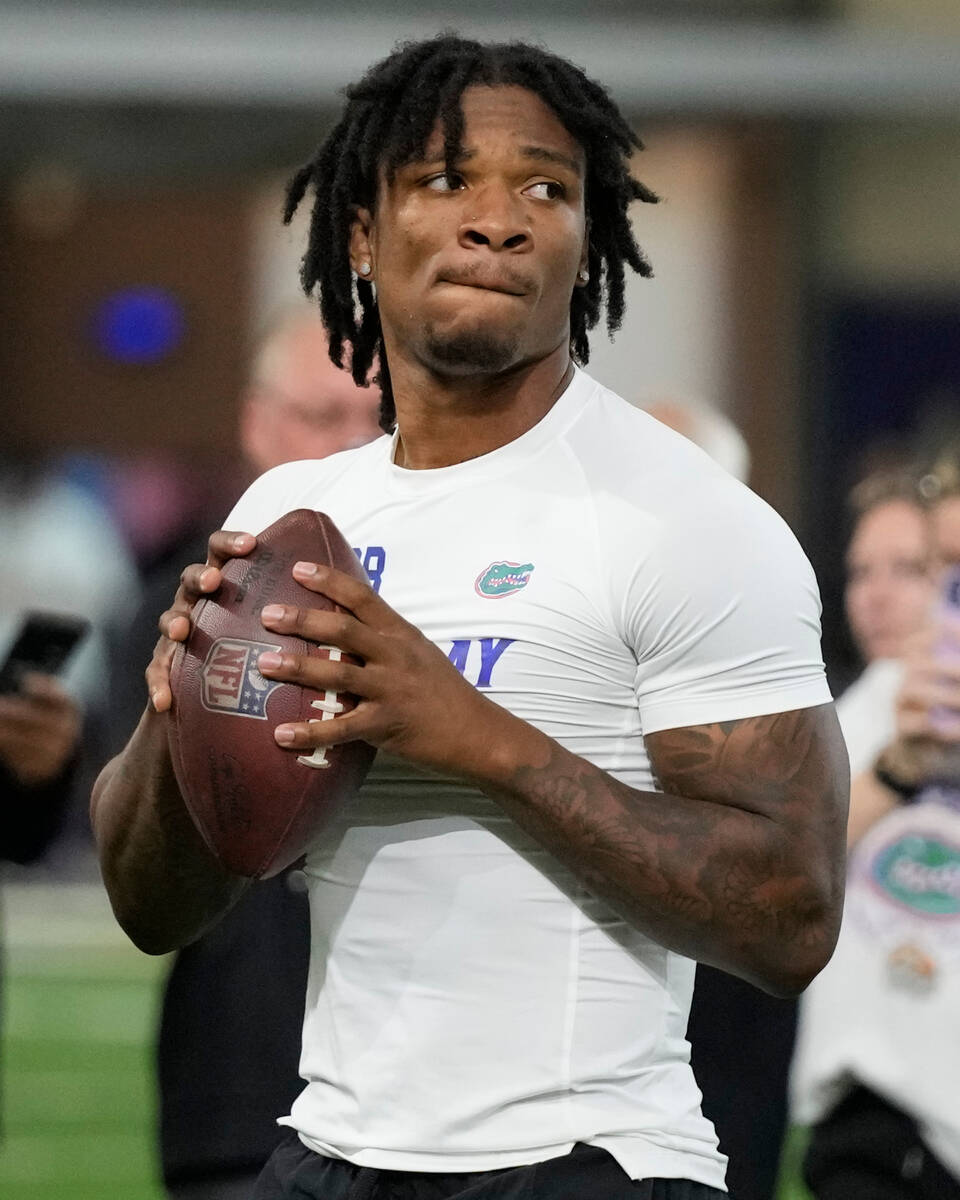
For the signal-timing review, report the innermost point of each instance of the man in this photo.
(232, 1009)
(567, 602)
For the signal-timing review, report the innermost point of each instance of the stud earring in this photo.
(583, 275)
(364, 268)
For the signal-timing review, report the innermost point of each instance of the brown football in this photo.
(258, 806)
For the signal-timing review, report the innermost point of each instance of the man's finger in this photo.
(174, 624)
(318, 672)
(358, 598)
(225, 544)
(354, 726)
(198, 580)
(157, 675)
(340, 629)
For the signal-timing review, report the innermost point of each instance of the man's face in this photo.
(475, 270)
(889, 578)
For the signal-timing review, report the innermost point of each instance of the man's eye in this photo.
(545, 189)
(444, 182)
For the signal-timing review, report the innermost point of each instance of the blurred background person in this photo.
(40, 729)
(62, 554)
(229, 1038)
(878, 1052)
(890, 589)
(39, 745)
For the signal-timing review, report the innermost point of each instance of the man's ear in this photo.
(361, 243)
(584, 255)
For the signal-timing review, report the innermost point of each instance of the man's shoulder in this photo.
(307, 483)
(305, 473)
(629, 456)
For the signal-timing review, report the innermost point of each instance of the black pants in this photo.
(868, 1150)
(741, 1041)
(586, 1173)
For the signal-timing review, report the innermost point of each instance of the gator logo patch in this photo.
(503, 579)
(922, 874)
(231, 682)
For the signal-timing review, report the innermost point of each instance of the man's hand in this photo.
(413, 701)
(39, 730)
(197, 581)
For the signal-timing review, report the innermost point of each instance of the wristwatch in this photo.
(892, 768)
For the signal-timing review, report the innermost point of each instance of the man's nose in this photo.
(497, 221)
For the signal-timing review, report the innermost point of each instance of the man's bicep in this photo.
(790, 767)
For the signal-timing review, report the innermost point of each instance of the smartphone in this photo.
(44, 644)
(951, 591)
(948, 651)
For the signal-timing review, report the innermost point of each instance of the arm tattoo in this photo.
(738, 861)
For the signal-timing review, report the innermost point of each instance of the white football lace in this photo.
(329, 706)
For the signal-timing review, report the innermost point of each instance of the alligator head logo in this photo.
(922, 874)
(503, 579)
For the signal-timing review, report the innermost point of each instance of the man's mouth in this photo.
(506, 286)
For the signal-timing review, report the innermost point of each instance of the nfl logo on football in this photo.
(231, 682)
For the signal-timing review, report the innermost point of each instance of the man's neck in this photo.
(444, 421)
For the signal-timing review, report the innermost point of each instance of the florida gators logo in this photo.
(231, 682)
(503, 579)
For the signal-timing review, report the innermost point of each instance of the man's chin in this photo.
(472, 351)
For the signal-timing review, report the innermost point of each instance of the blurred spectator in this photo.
(888, 596)
(39, 739)
(61, 554)
(741, 1039)
(878, 1055)
(229, 1040)
(39, 742)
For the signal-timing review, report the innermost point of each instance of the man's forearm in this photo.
(164, 884)
(719, 883)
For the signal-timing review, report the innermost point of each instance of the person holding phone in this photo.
(39, 733)
(879, 1042)
(39, 739)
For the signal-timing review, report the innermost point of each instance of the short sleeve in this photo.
(270, 496)
(723, 614)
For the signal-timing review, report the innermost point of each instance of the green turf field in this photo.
(76, 1053)
(77, 1075)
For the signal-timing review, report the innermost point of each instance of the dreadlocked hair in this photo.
(389, 116)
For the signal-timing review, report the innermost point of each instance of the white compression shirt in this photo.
(470, 1005)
